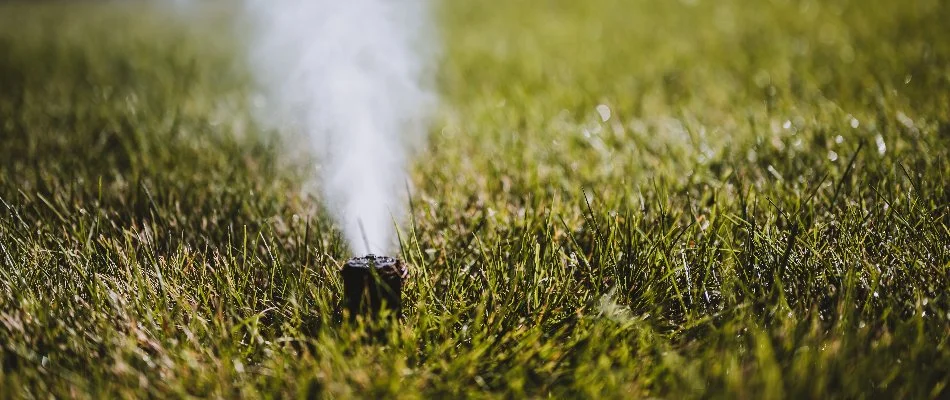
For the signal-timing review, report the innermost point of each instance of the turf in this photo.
(764, 213)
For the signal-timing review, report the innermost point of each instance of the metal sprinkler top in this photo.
(383, 264)
(371, 283)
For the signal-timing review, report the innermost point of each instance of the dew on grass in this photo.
(905, 120)
(832, 155)
(881, 147)
(774, 172)
(604, 112)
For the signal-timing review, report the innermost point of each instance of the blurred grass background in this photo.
(619, 199)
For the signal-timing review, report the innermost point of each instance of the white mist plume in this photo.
(353, 76)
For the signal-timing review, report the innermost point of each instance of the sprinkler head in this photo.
(372, 283)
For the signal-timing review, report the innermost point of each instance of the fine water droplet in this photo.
(238, 366)
(855, 123)
(839, 139)
(876, 295)
(787, 124)
(905, 120)
(881, 147)
(604, 112)
(832, 155)
(774, 172)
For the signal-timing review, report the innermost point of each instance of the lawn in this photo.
(617, 199)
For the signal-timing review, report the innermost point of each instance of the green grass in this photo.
(765, 214)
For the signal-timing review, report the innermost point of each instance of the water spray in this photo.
(353, 78)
